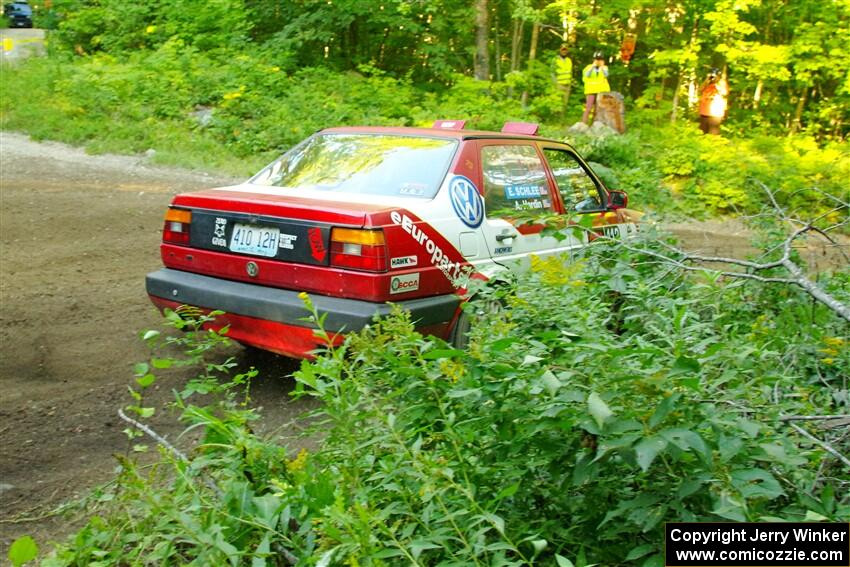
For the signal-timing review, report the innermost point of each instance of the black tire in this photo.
(474, 309)
(460, 334)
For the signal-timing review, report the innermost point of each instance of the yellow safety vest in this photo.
(595, 80)
(563, 70)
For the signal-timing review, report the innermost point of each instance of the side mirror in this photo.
(617, 200)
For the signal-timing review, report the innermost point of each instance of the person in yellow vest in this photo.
(595, 77)
(564, 76)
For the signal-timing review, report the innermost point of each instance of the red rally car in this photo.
(363, 217)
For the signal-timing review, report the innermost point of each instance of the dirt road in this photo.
(18, 44)
(78, 233)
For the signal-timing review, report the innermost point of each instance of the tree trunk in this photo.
(532, 55)
(482, 53)
(676, 99)
(516, 43)
(757, 94)
(798, 113)
(498, 46)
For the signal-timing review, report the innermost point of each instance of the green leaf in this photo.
(503, 344)
(551, 382)
(598, 409)
(530, 359)
(267, 507)
(508, 491)
(140, 368)
(563, 561)
(162, 363)
(685, 439)
(756, 483)
(442, 353)
(150, 335)
(539, 545)
(685, 365)
(688, 487)
(640, 551)
(463, 393)
(146, 380)
(647, 449)
(389, 552)
(814, 517)
(23, 550)
(656, 560)
(496, 521)
(263, 550)
(729, 446)
(418, 546)
(666, 406)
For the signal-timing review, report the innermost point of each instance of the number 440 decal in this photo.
(612, 231)
(620, 231)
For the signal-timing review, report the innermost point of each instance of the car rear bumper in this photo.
(272, 318)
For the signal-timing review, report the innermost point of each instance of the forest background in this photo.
(233, 83)
(622, 389)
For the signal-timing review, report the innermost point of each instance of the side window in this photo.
(578, 191)
(514, 180)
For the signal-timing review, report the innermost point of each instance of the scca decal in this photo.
(466, 201)
(402, 284)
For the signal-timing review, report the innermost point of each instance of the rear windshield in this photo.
(368, 164)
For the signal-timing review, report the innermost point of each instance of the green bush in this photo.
(607, 396)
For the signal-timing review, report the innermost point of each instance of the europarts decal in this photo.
(466, 201)
(452, 270)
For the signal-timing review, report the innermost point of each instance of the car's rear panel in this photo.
(309, 256)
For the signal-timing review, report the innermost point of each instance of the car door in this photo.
(517, 189)
(581, 193)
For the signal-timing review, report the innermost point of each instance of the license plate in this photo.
(257, 240)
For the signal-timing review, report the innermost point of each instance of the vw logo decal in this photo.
(252, 268)
(466, 201)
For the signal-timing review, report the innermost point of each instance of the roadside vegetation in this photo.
(613, 393)
(610, 392)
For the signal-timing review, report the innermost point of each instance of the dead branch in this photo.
(153, 435)
(812, 417)
(823, 444)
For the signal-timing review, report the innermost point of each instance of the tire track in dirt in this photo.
(78, 233)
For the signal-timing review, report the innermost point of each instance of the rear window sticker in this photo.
(219, 231)
(287, 241)
(413, 189)
(524, 191)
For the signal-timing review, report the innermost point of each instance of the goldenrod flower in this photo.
(299, 462)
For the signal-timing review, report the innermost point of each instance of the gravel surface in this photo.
(78, 233)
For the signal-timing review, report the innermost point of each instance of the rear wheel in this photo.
(469, 316)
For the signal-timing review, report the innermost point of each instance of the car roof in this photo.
(436, 133)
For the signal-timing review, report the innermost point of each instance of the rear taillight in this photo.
(176, 229)
(359, 249)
